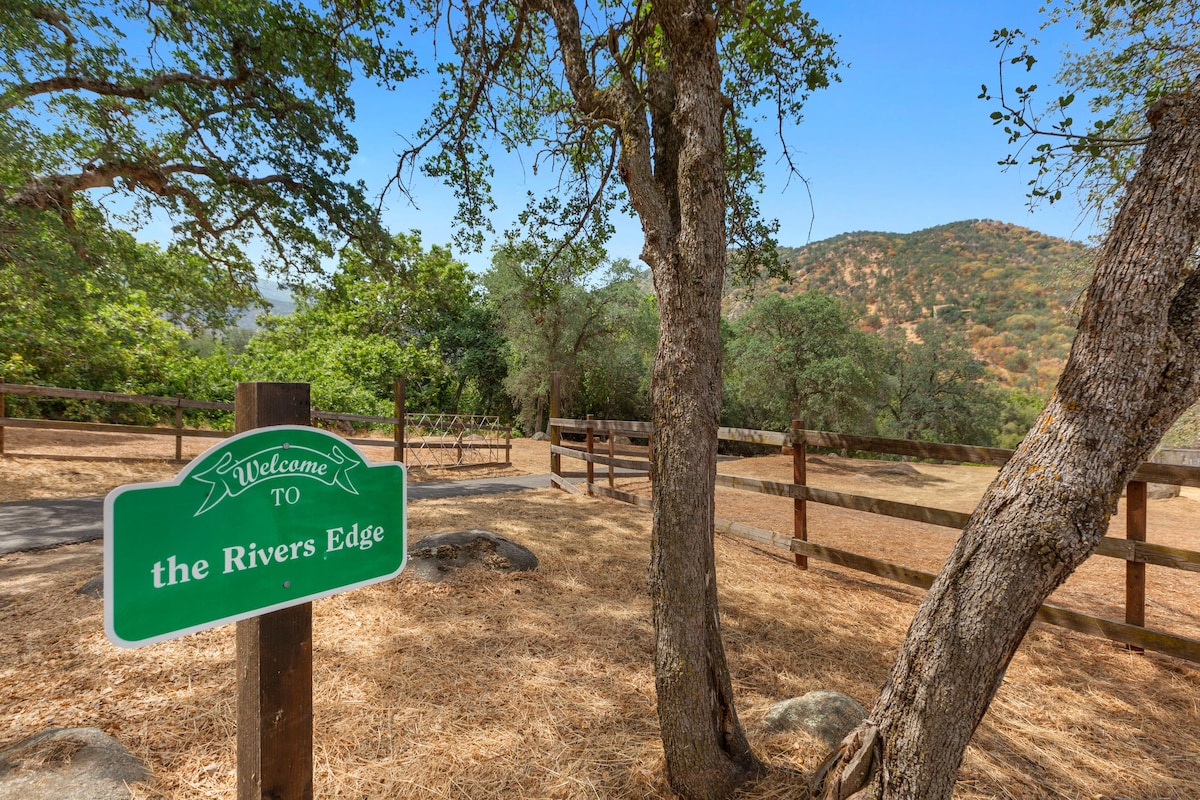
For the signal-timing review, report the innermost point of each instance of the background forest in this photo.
(953, 333)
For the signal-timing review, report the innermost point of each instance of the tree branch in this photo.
(130, 91)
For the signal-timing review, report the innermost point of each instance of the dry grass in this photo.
(539, 685)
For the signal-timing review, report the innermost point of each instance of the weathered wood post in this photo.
(3, 414)
(398, 428)
(555, 410)
(274, 650)
(612, 453)
(591, 450)
(1135, 572)
(799, 478)
(178, 427)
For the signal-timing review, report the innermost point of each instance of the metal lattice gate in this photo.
(454, 440)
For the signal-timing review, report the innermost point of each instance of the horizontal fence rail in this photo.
(1133, 550)
(434, 440)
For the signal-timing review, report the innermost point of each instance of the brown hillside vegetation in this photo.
(1008, 289)
(540, 685)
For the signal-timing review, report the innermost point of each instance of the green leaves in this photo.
(584, 94)
(569, 311)
(230, 116)
(1138, 53)
(802, 358)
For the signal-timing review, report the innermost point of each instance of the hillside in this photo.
(1009, 290)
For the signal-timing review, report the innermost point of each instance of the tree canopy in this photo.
(583, 90)
(802, 358)
(414, 314)
(229, 118)
(558, 315)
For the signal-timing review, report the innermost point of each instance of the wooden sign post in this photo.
(274, 651)
(252, 532)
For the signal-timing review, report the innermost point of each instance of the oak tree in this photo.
(649, 105)
(802, 358)
(557, 314)
(228, 117)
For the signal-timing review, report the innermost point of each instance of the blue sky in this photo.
(902, 143)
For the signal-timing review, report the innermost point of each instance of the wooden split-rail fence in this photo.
(427, 440)
(597, 450)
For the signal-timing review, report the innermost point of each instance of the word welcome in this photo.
(231, 476)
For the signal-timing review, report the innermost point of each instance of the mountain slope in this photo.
(1009, 290)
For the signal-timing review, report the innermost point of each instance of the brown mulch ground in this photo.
(540, 685)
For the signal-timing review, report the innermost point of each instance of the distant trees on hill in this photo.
(156, 322)
(1010, 290)
(804, 357)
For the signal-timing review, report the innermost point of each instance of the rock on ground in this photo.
(433, 557)
(74, 763)
(825, 715)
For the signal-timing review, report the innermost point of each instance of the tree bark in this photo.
(679, 196)
(706, 750)
(672, 163)
(1134, 368)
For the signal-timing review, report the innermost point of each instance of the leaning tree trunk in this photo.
(1134, 368)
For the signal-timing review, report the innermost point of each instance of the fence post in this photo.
(555, 410)
(3, 414)
(1135, 572)
(178, 427)
(612, 453)
(398, 426)
(591, 449)
(799, 478)
(274, 650)
(508, 445)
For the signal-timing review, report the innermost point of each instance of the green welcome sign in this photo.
(267, 519)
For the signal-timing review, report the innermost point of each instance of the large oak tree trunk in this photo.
(672, 163)
(706, 751)
(1134, 368)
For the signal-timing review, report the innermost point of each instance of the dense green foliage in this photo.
(155, 322)
(936, 390)
(801, 358)
(230, 117)
(804, 357)
(116, 320)
(596, 328)
(413, 314)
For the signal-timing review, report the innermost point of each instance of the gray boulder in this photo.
(76, 763)
(434, 557)
(1162, 491)
(825, 715)
(93, 588)
(898, 468)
